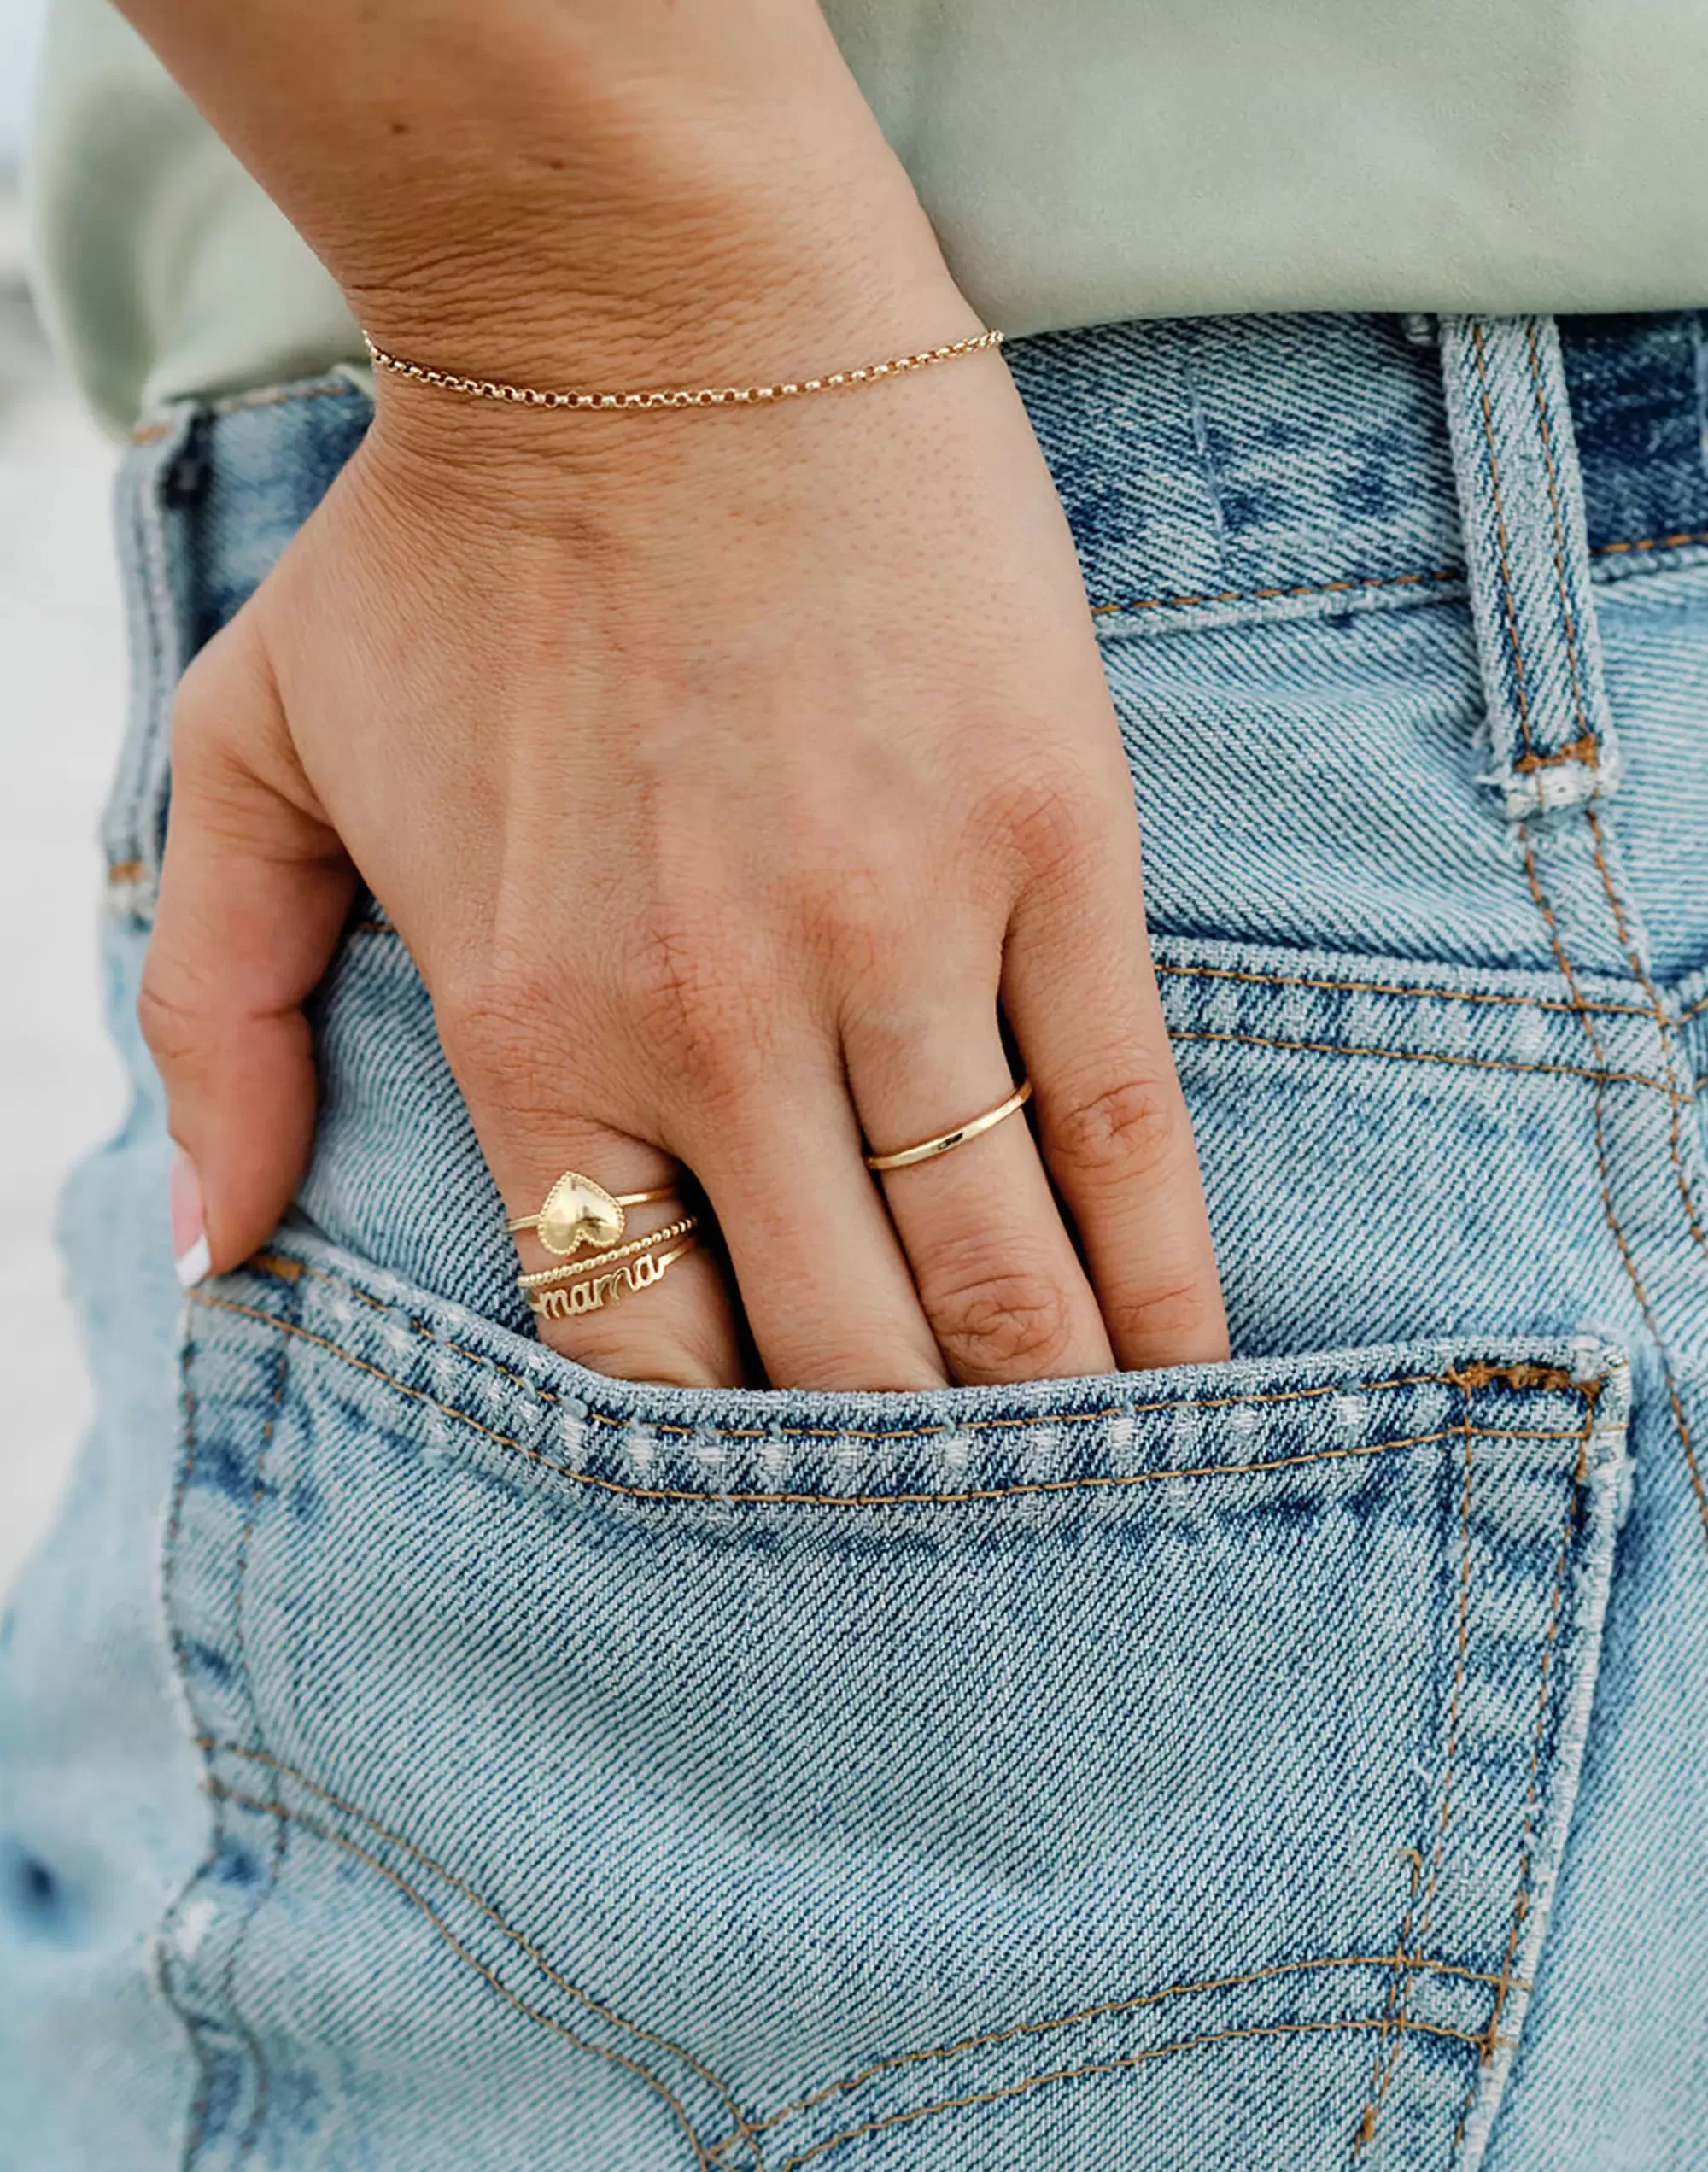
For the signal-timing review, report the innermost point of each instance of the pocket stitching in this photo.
(1522, 1376)
(750, 2130)
(984, 2041)
(1400, 1988)
(966, 1497)
(1106, 2066)
(1506, 1983)
(212, 1746)
(223, 1793)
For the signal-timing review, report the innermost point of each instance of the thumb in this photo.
(255, 889)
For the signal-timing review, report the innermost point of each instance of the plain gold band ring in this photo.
(946, 1142)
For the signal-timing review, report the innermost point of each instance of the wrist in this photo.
(769, 273)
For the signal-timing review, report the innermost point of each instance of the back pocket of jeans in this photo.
(1129, 1773)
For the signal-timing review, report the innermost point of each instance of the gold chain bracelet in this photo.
(547, 1278)
(522, 395)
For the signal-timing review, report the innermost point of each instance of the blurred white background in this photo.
(61, 693)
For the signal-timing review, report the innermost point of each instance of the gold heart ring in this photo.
(577, 1212)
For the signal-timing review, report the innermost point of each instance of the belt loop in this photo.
(1521, 503)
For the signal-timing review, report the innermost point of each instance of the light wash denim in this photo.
(423, 1755)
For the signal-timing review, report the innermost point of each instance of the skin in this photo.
(731, 774)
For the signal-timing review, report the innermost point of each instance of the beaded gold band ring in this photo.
(945, 1142)
(574, 1269)
(577, 1212)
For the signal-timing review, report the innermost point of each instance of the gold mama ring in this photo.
(594, 1292)
(946, 1142)
(577, 1212)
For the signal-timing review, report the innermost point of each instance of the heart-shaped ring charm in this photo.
(577, 1212)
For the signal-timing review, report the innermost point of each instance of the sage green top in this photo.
(1082, 160)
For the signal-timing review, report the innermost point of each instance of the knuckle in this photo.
(1185, 1313)
(1126, 1130)
(1000, 1321)
(497, 1030)
(1045, 820)
(202, 736)
(168, 1028)
(690, 1006)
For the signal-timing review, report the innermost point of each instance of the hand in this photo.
(725, 772)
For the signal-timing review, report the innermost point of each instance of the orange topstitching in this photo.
(746, 2130)
(1400, 1988)
(1608, 1208)
(1103, 2066)
(968, 1495)
(221, 1792)
(1491, 2038)
(253, 1755)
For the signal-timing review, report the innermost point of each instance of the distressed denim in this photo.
(421, 1754)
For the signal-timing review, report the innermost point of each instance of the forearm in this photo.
(534, 186)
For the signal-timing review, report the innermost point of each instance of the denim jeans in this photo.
(422, 1755)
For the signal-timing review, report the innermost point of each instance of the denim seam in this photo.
(747, 2131)
(1521, 1376)
(278, 1766)
(835, 2141)
(1244, 974)
(1599, 1077)
(1490, 2038)
(1608, 1208)
(1345, 1048)
(1247, 975)
(1101, 2011)
(1353, 584)
(1632, 955)
(281, 1829)
(219, 1790)
(1400, 1988)
(1651, 543)
(165, 1933)
(1356, 582)
(196, 2127)
(1633, 949)
(970, 1496)
(1271, 2029)
(1250, 976)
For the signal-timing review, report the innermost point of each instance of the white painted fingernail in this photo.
(189, 1233)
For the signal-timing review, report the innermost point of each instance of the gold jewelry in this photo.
(594, 1292)
(729, 395)
(577, 1212)
(945, 1142)
(548, 1275)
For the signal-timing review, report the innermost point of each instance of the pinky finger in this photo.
(1081, 998)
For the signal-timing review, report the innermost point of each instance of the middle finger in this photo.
(995, 1269)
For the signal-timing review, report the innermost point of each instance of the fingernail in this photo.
(189, 1238)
